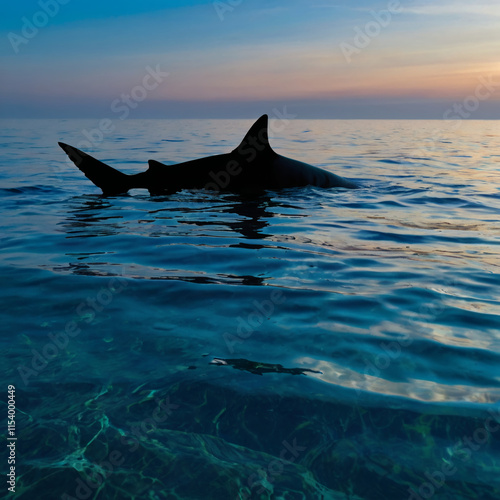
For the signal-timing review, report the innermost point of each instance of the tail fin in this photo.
(110, 180)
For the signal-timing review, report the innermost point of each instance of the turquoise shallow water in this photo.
(307, 343)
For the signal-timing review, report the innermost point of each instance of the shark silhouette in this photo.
(252, 166)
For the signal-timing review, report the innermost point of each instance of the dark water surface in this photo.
(303, 344)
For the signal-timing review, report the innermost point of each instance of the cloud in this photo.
(456, 8)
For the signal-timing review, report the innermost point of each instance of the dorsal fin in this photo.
(257, 135)
(156, 165)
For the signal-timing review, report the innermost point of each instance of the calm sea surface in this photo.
(304, 344)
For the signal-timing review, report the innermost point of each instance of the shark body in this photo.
(252, 166)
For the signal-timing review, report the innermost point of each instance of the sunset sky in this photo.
(239, 58)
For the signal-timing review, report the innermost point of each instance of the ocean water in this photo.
(303, 344)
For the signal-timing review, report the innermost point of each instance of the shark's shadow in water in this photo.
(258, 368)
